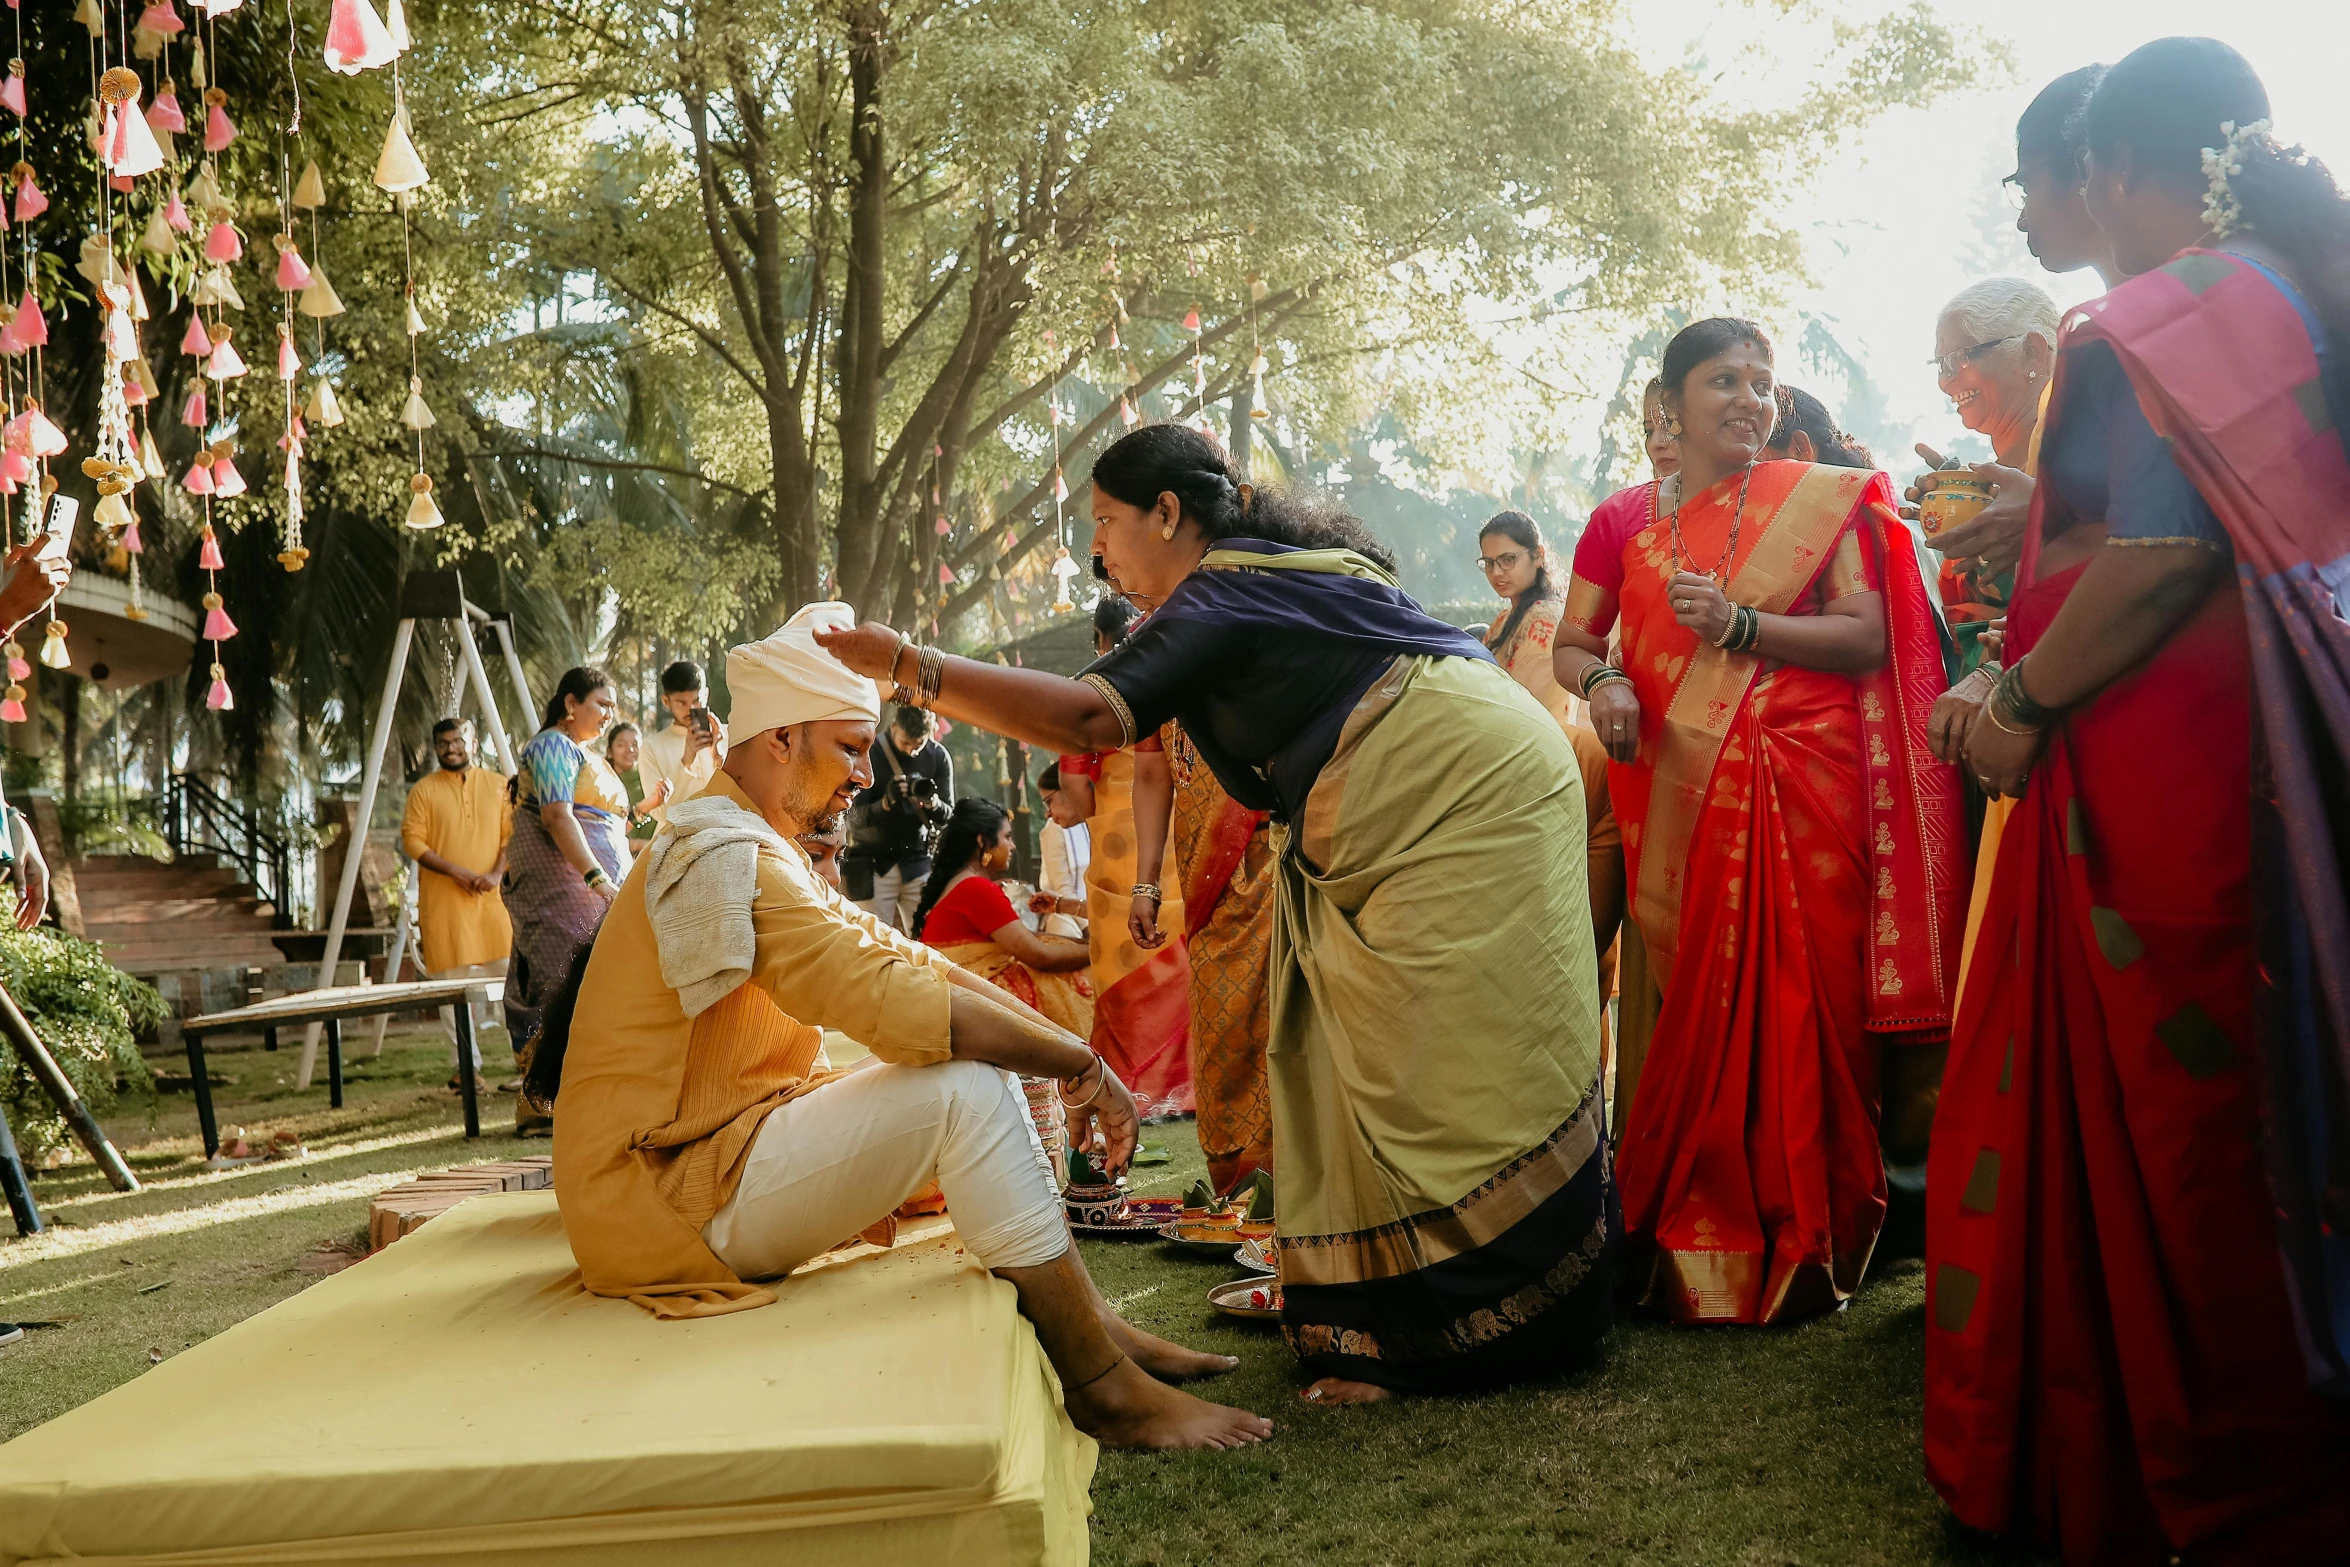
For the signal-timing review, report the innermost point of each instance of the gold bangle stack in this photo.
(2010, 706)
(1150, 890)
(930, 667)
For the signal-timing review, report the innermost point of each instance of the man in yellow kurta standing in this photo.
(701, 1141)
(456, 828)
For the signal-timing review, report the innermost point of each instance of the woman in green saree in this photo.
(1446, 1219)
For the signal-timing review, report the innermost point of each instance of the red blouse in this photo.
(973, 909)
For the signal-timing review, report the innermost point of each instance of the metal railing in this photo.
(197, 819)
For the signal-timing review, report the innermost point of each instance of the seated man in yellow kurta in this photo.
(700, 1144)
(456, 829)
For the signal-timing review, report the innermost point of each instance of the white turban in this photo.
(788, 678)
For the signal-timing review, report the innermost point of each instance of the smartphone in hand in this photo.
(58, 538)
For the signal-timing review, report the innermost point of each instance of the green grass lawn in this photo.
(1740, 1447)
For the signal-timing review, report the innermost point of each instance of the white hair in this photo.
(2003, 307)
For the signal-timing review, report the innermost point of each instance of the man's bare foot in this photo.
(1167, 1361)
(1127, 1408)
(1338, 1390)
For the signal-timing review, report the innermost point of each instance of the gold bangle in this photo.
(1991, 711)
(1149, 889)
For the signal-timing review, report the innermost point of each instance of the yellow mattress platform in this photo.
(458, 1398)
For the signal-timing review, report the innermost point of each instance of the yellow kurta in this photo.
(462, 817)
(657, 1110)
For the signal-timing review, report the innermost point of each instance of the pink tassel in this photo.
(30, 203)
(159, 17)
(222, 244)
(18, 669)
(121, 183)
(226, 363)
(226, 481)
(208, 558)
(133, 394)
(12, 90)
(164, 115)
(175, 213)
(192, 413)
(289, 363)
(1191, 321)
(217, 626)
(42, 438)
(8, 339)
(194, 340)
(218, 698)
(293, 273)
(130, 538)
(218, 132)
(356, 38)
(946, 574)
(11, 708)
(15, 466)
(32, 331)
(199, 482)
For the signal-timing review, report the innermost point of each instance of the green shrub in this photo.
(86, 1011)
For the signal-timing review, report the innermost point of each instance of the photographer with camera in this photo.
(897, 819)
(676, 762)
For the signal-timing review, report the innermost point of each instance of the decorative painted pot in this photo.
(1953, 495)
(1095, 1204)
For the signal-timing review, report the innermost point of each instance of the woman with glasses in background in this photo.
(1518, 565)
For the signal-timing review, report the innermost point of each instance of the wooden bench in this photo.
(333, 1007)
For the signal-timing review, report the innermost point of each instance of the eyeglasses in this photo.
(1948, 365)
(1489, 564)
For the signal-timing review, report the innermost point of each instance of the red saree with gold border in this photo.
(1794, 856)
(2116, 1360)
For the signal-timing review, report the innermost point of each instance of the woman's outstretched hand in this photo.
(1994, 535)
(1615, 718)
(1142, 923)
(1954, 713)
(871, 649)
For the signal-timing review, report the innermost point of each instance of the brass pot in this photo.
(1952, 496)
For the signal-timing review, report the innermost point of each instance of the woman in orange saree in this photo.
(1142, 996)
(1793, 853)
(2129, 1334)
(1224, 867)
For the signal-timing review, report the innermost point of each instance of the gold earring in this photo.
(1168, 532)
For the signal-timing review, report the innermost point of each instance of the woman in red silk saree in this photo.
(2117, 1360)
(1793, 857)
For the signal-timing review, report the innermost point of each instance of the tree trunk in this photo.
(863, 298)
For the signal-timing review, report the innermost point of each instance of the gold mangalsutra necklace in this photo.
(1681, 556)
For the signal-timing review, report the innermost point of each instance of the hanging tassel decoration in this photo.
(415, 415)
(175, 214)
(226, 364)
(195, 341)
(92, 16)
(217, 626)
(396, 24)
(33, 434)
(12, 90)
(164, 115)
(53, 650)
(422, 513)
(218, 131)
(30, 203)
(415, 321)
(356, 39)
(218, 698)
(399, 168)
(216, 287)
(150, 459)
(289, 363)
(159, 17)
(158, 237)
(18, 669)
(198, 481)
(293, 275)
(319, 299)
(12, 704)
(1126, 414)
(324, 410)
(192, 412)
(221, 243)
(310, 189)
(208, 553)
(226, 481)
(131, 149)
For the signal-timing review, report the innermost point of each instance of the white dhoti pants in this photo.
(842, 1157)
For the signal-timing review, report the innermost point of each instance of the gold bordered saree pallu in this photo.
(1446, 1215)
